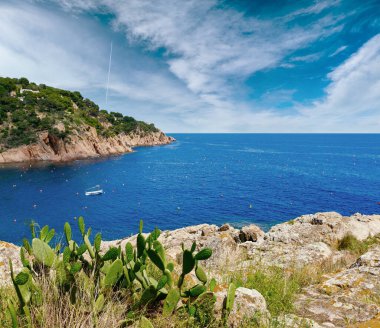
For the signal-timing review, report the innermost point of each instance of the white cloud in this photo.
(339, 50)
(209, 52)
(43, 46)
(207, 45)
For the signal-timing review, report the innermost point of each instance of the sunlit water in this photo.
(213, 178)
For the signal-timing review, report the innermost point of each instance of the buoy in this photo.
(250, 205)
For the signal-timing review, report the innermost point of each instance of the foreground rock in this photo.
(345, 297)
(84, 143)
(348, 297)
(8, 251)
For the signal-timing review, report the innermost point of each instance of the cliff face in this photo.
(83, 143)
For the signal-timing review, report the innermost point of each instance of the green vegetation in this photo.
(355, 246)
(27, 108)
(138, 281)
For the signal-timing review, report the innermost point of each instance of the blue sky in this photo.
(206, 66)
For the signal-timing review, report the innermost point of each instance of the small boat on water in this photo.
(96, 190)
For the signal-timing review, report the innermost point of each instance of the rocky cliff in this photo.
(83, 143)
(42, 123)
(345, 295)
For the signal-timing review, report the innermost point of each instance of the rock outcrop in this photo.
(343, 297)
(83, 143)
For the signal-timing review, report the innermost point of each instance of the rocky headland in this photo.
(83, 143)
(42, 123)
(346, 293)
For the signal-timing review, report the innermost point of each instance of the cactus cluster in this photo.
(116, 269)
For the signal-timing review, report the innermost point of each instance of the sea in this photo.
(263, 179)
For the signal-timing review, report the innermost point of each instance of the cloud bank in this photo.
(203, 54)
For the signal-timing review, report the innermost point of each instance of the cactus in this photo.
(43, 252)
(171, 302)
(81, 225)
(116, 268)
(201, 275)
(230, 298)
(12, 313)
(97, 241)
(156, 259)
(99, 304)
(188, 262)
(67, 230)
(196, 290)
(145, 323)
(204, 254)
(89, 246)
(212, 284)
(114, 273)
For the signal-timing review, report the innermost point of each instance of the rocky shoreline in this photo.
(82, 144)
(347, 294)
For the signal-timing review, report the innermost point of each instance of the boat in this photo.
(96, 190)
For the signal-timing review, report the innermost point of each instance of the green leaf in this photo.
(141, 226)
(145, 323)
(201, 275)
(129, 252)
(99, 303)
(111, 254)
(22, 278)
(81, 225)
(170, 302)
(13, 315)
(188, 262)
(81, 249)
(162, 282)
(140, 245)
(66, 255)
(156, 259)
(23, 259)
(170, 266)
(204, 254)
(89, 246)
(197, 290)
(44, 231)
(50, 235)
(43, 253)
(67, 230)
(75, 267)
(149, 294)
(114, 273)
(212, 284)
(230, 297)
(27, 246)
(97, 241)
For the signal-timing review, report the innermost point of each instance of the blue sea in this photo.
(202, 178)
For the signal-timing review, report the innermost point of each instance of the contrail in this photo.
(108, 78)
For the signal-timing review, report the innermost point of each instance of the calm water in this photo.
(214, 178)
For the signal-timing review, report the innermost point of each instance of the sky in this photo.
(206, 65)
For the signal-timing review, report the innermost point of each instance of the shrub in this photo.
(75, 271)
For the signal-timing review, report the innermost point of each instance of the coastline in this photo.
(85, 144)
(309, 242)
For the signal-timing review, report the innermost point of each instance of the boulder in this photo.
(249, 305)
(8, 251)
(251, 233)
(346, 297)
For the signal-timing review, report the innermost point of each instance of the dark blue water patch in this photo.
(202, 178)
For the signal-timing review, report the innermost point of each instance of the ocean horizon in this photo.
(201, 178)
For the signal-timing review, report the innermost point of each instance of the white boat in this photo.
(96, 190)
